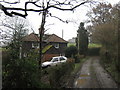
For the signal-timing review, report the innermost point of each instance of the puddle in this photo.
(82, 80)
(85, 75)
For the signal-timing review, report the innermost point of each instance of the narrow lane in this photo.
(92, 75)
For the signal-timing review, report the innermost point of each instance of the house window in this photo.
(56, 45)
(25, 55)
(35, 45)
(38, 45)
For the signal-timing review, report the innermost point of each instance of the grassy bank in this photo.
(112, 70)
(71, 44)
(93, 45)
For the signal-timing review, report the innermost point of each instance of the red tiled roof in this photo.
(55, 38)
(46, 38)
(31, 37)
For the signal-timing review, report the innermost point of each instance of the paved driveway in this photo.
(92, 75)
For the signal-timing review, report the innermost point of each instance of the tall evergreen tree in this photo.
(82, 39)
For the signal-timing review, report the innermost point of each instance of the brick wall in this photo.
(47, 57)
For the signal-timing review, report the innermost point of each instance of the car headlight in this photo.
(42, 65)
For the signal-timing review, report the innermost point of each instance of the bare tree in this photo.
(11, 28)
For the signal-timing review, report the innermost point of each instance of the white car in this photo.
(54, 61)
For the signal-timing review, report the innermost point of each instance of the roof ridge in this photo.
(48, 38)
(59, 37)
(34, 37)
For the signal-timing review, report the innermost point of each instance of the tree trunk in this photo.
(41, 33)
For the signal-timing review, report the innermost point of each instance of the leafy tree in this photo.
(82, 39)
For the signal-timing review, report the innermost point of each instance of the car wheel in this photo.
(48, 66)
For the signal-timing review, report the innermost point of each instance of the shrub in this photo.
(94, 51)
(71, 51)
(77, 58)
(60, 73)
(21, 73)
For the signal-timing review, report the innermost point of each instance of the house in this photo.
(52, 45)
(72, 41)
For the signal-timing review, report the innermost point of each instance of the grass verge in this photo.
(92, 45)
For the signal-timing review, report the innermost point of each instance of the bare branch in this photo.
(49, 25)
(59, 18)
(6, 9)
(69, 9)
(8, 26)
(10, 2)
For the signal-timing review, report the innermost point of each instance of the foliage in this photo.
(22, 73)
(59, 74)
(82, 39)
(71, 51)
(19, 72)
(77, 58)
(94, 49)
(105, 34)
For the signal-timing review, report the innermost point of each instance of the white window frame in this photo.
(38, 45)
(33, 45)
(56, 45)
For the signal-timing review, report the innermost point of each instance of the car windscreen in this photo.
(54, 60)
(62, 58)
